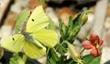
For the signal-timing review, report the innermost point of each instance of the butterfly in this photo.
(35, 38)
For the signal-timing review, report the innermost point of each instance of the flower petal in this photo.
(95, 52)
(87, 44)
(93, 38)
(100, 42)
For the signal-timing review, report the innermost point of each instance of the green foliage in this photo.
(70, 31)
(70, 61)
(74, 26)
(91, 60)
(68, 34)
(16, 59)
(53, 57)
(63, 30)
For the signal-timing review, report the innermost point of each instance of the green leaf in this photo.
(16, 59)
(74, 26)
(63, 30)
(91, 60)
(61, 48)
(70, 31)
(70, 61)
(52, 57)
(54, 54)
(52, 61)
(20, 19)
(70, 23)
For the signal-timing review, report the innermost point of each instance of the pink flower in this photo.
(94, 43)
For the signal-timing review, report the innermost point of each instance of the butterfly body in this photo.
(30, 39)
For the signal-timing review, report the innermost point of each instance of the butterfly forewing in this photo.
(37, 20)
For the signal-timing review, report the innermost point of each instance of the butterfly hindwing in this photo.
(13, 43)
(32, 51)
(17, 43)
(48, 37)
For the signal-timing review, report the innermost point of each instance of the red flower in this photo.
(93, 44)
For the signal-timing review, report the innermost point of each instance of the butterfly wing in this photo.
(13, 43)
(48, 37)
(16, 43)
(36, 26)
(37, 20)
(33, 51)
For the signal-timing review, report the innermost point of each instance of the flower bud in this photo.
(73, 52)
(84, 18)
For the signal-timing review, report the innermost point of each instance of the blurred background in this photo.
(98, 20)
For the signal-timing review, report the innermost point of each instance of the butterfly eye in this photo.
(33, 20)
(13, 39)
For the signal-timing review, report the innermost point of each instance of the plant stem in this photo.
(82, 50)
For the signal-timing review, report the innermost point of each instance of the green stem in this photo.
(80, 61)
